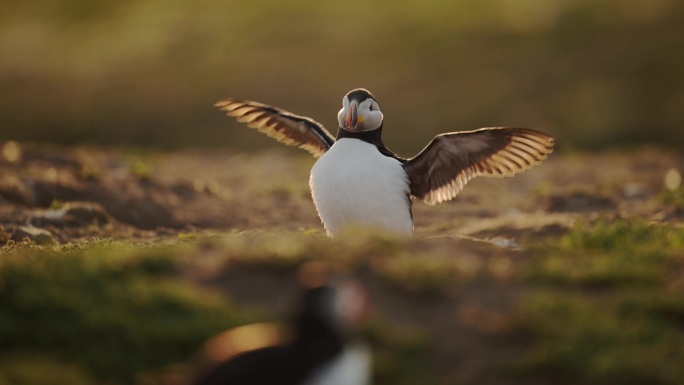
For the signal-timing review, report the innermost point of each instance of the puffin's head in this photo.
(360, 111)
(341, 304)
(343, 307)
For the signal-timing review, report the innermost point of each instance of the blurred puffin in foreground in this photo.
(323, 349)
(358, 181)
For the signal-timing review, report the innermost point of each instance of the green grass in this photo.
(607, 306)
(31, 369)
(605, 254)
(107, 311)
(400, 355)
(673, 197)
(602, 304)
(112, 310)
(626, 337)
(421, 275)
(140, 168)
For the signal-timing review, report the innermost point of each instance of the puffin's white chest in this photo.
(353, 184)
(351, 367)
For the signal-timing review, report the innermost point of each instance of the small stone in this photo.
(11, 152)
(504, 242)
(34, 234)
(72, 214)
(636, 190)
(84, 214)
(199, 185)
(673, 179)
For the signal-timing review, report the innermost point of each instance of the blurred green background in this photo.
(146, 72)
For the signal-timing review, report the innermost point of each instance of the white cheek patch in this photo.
(343, 112)
(373, 119)
(341, 115)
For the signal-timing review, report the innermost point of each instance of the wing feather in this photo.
(284, 126)
(451, 160)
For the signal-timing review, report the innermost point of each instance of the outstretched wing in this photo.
(277, 123)
(443, 168)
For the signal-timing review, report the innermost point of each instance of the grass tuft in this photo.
(108, 309)
(609, 254)
(610, 308)
(400, 355)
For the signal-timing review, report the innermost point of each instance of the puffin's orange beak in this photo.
(352, 116)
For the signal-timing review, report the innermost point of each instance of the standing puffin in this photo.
(324, 349)
(358, 181)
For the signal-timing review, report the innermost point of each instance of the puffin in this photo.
(358, 182)
(324, 350)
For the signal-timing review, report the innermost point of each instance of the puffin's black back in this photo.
(316, 342)
(259, 367)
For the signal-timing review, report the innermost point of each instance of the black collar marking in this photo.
(373, 137)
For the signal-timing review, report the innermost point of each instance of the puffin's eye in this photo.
(370, 108)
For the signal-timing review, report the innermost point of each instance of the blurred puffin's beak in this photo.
(352, 116)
